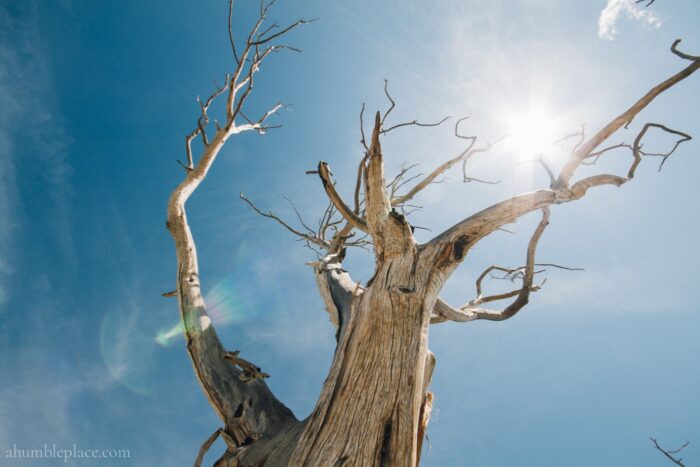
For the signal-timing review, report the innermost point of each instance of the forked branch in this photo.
(669, 453)
(637, 146)
(481, 224)
(510, 274)
(471, 312)
(625, 118)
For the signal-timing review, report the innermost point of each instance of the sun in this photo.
(532, 132)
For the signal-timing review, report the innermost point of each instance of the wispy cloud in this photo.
(28, 114)
(616, 8)
(36, 402)
(8, 107)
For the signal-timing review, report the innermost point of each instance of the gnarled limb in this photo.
(470, 312)
(469, 231)
(246, 406)
(353, 218)
(219, 379)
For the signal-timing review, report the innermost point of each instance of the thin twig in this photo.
(388, 96)
(414, 123)
(668, 453)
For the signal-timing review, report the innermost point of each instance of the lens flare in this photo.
(165, 338)
(223, 307)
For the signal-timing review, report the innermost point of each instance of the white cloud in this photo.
(612, 11)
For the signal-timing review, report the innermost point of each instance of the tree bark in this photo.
(372, 408)
(369, 409)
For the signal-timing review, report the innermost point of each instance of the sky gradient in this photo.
(95, 101)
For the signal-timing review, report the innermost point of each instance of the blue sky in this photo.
(95, 100)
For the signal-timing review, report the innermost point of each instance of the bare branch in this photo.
(580, 134)
(487, 147)
(685, 56)
(400, 179)
(510, 274)
(202, 122)
(208, 443)
(668, 453)
(471, 139)
(636, 147)
(587, 148)
(544, 165)
(352, 218)
(188, 148)
(469, 313)
(465, 154)
(220, 381)
(362, 127)
(186, 167)
(414, 123)
(298, 22)
(479, 180)
(481, 224)
(596, 155)
(296, 211)
(388, 96)
(230, 31)
(249, 372)
(341, 237)
(306, 236)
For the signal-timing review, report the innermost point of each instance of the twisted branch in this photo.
(470, 312)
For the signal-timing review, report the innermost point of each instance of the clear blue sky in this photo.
(95, 100)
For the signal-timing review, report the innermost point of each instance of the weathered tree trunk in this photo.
(369, 409)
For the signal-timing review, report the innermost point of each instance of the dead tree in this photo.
(374, 405)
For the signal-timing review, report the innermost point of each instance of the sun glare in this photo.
(531, 132)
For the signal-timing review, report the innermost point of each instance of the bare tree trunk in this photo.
(369, 409)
